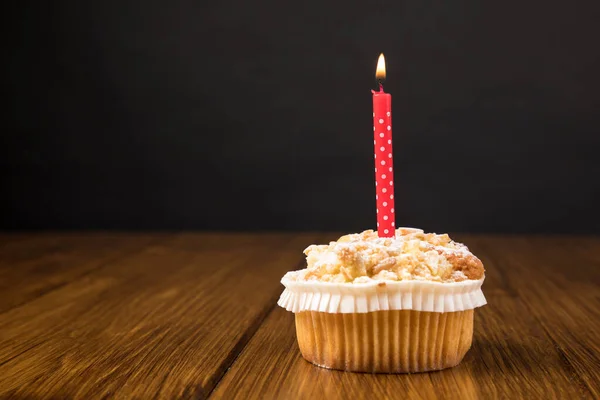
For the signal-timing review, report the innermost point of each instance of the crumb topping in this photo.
(411, 255)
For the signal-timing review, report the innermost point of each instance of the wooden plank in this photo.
(163, 323)
(557, 278)
(512, 355)
(34, 264)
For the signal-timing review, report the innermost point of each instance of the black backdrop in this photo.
(257, 114)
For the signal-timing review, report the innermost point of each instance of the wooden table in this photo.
(191, 315)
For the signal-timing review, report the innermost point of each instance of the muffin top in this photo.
(411, 255)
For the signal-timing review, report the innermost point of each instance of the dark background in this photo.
(257, 114)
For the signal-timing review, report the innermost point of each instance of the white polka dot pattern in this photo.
(384, 183)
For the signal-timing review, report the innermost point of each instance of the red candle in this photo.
(384, 164)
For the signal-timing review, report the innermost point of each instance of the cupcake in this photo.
(389, 305)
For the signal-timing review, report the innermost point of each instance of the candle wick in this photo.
(380, 86)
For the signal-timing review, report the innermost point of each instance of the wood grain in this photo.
(31, 265)
(558, 282)
(165, 322)
(194, 316)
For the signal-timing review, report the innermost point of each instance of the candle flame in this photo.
(380, 74)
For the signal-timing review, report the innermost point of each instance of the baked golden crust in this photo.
(410, 255)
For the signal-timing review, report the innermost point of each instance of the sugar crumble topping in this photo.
(410, 255)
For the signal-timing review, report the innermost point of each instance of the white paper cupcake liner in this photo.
(430, 296)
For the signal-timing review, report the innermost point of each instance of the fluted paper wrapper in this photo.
(395, 341)
(344, 298)
(383, 326)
